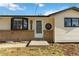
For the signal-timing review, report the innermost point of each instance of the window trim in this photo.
(12, 20)
(71, 22)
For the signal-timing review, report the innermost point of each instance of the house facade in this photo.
(19, 28)
(62, 26)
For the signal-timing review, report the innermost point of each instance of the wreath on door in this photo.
(48, 26)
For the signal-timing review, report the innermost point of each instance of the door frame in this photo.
(35, 34)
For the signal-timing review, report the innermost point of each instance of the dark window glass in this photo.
(67, 22)
(75, 22)
(71, 22)
(25, 24)
(38, 26)
(19, 24)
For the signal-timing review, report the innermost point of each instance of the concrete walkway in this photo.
(12, 45)
(39, 43)
(32, 43)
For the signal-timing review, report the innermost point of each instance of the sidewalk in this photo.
(13, 45)
(21, 44)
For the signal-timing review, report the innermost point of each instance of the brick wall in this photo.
(16, 35)
(49, 35)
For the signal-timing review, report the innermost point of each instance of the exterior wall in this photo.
(66, 34)
(47, 34)
(7, 34)
(5, 23)
(45, 20)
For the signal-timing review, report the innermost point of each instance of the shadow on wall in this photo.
(68, 30)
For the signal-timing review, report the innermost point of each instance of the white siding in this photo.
(66, 34)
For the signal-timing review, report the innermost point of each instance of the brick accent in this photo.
(49, 35)
(6, 35)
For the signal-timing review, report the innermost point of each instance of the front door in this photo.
(38, 29)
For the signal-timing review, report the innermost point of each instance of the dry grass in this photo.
(52, 50)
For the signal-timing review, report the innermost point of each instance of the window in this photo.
(75, 22)
(71, 22)
(19, 24)
(67, 22)
(25, 24)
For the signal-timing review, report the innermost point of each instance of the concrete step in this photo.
(38, 39)
(38, 43)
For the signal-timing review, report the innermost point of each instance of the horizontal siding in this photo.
(66, 34)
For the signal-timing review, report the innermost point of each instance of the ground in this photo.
(52, 50)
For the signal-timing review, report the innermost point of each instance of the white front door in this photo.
(38, 29)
